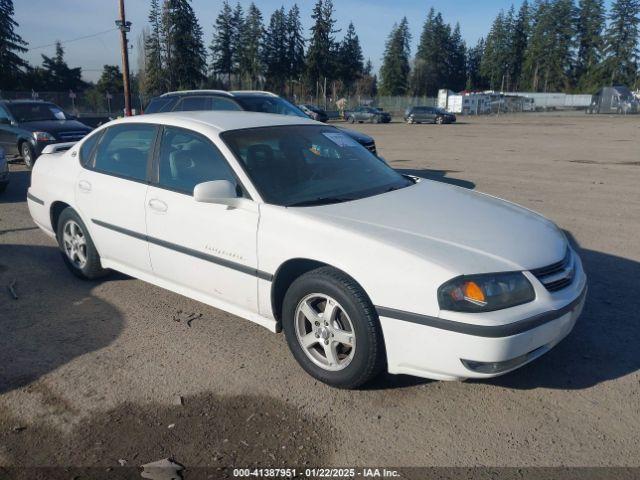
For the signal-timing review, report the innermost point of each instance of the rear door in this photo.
(111, 191)
(208, 248)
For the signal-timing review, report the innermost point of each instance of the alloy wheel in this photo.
(325, 332)
(75, 244)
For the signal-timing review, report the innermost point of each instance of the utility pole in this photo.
(125, 27)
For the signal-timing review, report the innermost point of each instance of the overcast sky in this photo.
(42, 22)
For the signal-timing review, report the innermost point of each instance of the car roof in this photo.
(220, 120)
(24, 100)
(252, 93)
(179, 93)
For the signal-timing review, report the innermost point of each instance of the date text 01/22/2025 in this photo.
(316, 473)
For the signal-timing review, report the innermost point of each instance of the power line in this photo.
(74, 39)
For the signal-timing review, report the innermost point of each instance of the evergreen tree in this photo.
(456, 61)
(590, 27)
(295, 44)
(621, 54)
(350, 59)
(222, 54)
(395, 64)
(496, 61)
(155, 81)
(186, 52)
(237, 36)
(518, 43)
(366, 85)
(549, 59)
(320, 62)
(275, 51)
(252, 46)
(110, 80)
(475, 80)
(11, 45)
(60, 77)
(432, 64)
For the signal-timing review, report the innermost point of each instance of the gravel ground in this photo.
(92, 373)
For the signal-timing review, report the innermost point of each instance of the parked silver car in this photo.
(4, 171)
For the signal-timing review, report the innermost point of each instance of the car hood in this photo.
(54, 126)
(357, 136)
(458, 229)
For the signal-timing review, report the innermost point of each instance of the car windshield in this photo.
(36, 111)
(264, 104)
(305, 165)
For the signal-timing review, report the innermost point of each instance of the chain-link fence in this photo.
(93, 103)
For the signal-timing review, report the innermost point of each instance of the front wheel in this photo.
(77, 248)
(439, 120)
(332, 329)
(28, 155)
(352, 119)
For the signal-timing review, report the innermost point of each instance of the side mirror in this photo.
(222, 192)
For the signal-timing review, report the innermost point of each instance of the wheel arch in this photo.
(287, 273)
(56, 209)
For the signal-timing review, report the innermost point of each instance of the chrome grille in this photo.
(71, 136)
(557, 275)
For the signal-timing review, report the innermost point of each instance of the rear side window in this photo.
(191, 104)
(187, 159)
(219, 103)
(124, 150)
(160, 104)
(86, 150)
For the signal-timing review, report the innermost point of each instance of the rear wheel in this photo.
(332, 329)
(78, 251)
(28, 155)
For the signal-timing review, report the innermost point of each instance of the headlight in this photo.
(486, 292)
(43, 137)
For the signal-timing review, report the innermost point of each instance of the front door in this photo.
(111, 192)
(207, 248)
(8, 133)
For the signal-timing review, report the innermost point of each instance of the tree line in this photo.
(546, 45)
(247, 52)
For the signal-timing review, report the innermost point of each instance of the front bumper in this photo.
(445, 350)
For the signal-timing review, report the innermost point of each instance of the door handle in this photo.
(158, 205)
(84, 186)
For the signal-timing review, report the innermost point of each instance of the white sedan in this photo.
(291, 224)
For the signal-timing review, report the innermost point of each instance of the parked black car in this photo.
(314, 112)
(368, 114)
(428, 115)
(27, 126)
(248, 100)
(4, 171)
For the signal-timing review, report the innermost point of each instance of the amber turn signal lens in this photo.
(473, 292)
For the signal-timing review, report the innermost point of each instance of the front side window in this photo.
(305, 165)
(187, 159)
(124, 150)
(4, 115)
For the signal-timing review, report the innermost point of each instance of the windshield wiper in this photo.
(321, 201)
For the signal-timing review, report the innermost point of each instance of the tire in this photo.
(27, 154)
(354, 314)
(91, 268)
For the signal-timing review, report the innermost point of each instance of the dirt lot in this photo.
(91, 373)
